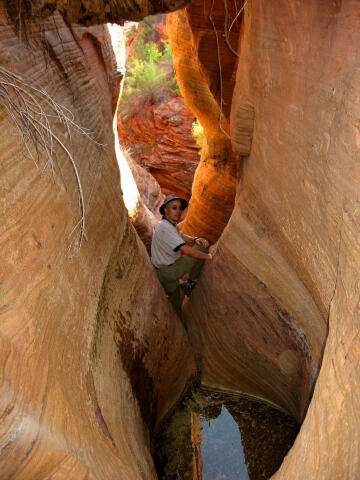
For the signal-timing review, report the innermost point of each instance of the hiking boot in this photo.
(188, 286)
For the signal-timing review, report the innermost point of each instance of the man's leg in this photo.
(170, 281)
(175, 301)
(169, 276)
(192, 265)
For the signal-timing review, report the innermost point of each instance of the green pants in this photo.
(169, 276)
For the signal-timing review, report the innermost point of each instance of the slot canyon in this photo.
(93, 357)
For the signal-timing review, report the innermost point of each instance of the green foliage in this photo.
(144, 80)
(198, 133)
(147, 51)
(174, 87)
(166, 55)
(149, 73)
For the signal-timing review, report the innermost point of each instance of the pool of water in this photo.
(212, 436)
(222, 452)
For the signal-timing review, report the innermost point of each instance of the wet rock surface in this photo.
(266, 436)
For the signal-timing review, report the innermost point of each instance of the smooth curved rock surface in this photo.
(197, 73)
(278, 308)
(90, 347)
(288, 261)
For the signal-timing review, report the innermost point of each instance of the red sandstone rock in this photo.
(161, 140)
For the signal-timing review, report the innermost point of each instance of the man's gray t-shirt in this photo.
(165, 244)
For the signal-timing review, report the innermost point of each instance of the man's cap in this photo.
(170, 198)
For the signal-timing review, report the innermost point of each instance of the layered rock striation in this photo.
(90, 346)
(160, 139)
(89, 13)
(276, 311)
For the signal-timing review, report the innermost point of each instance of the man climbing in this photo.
(174, 254)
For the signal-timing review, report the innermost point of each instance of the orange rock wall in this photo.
(278, 308)
(198, 77)
(89, 345)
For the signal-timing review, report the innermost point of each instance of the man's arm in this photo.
(192, 252)
(195, 240)
(188, 239)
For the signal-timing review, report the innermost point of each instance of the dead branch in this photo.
(237, 15)
(226, 29)
(220, 67)
(32, 109)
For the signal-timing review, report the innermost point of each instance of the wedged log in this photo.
(89, 12)
(90, 347)
(289, 258)
(242, 127)
(194, 49)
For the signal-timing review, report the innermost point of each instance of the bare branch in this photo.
(31, 109)
(226, 30)
(220, 68)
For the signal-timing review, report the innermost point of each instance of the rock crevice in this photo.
(77, 351)
(81, 329)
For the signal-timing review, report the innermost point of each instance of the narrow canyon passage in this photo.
(93, 358)
(145, 122)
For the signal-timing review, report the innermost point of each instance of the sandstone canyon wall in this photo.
(278, 308)
(193, 45)
(90, 347)
(87, 338)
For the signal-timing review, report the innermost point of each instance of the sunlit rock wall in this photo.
(193, 47)
(160, 137)
(278, 308)
(144, 209)
(90, 347)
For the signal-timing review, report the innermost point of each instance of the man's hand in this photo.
(202, 241)
(213, 249)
